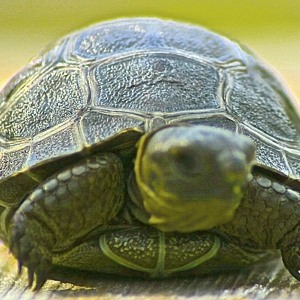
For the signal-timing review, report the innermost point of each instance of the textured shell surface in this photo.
(138, 74)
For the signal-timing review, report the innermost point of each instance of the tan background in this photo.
(270, 28)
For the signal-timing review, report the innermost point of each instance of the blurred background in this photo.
(270, 28)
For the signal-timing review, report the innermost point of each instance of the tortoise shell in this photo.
(106, 85)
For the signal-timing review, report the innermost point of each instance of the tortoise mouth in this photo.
(183, 217)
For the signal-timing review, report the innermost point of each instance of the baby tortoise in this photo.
(149, 148)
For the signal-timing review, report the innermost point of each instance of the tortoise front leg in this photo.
(63, 209)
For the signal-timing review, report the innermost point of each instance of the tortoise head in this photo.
(192, 177)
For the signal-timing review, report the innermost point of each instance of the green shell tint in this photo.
(141, 73)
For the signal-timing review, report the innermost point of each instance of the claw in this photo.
(32, 257)
(38, 271)
(20, 266)
(41, 278)
(29, 253)
(30, 275)
(40, 275)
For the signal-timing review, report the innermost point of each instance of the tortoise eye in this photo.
(184, 160)
(189, 162)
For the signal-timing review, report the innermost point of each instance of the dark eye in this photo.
(189, 162)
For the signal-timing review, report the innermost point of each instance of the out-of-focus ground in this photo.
(268, 281)
(269, 28)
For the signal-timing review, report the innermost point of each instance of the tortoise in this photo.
(148, 148)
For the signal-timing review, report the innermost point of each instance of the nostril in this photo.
(234, 161)
(234, 166)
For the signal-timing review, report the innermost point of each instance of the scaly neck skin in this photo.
(268, 211)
